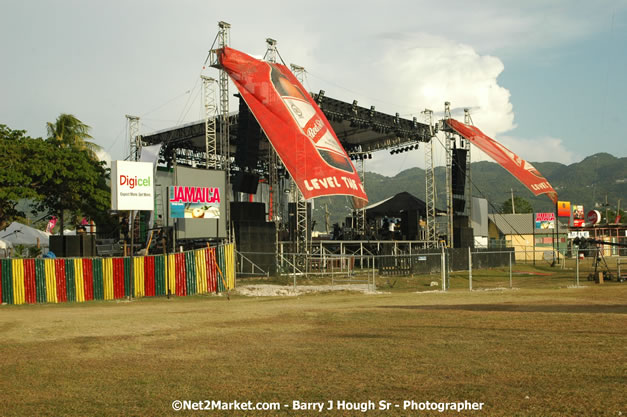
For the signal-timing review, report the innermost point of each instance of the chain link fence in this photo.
(436, 270)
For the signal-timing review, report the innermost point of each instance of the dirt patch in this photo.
(269, 290)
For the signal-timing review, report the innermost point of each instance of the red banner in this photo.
(518, 167)
(295, 126)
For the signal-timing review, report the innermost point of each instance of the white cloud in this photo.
(540, 149)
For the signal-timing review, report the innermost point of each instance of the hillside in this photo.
(587, 182)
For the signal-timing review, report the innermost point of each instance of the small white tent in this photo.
(20, 234)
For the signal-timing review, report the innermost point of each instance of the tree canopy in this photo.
(68, 131)
(520, 205)
(55, 179)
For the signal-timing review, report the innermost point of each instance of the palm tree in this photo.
(68, 131)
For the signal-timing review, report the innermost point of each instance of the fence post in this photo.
(577, 268)
(469, 269)
(294, 268)
(443, 269)
(510, 270)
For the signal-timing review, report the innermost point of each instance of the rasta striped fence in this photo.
(199, 271)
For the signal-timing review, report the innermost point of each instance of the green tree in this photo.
(520, 205)
(23, 167)
(68, 131)
(75, 184)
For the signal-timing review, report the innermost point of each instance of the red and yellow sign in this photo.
(563, 208)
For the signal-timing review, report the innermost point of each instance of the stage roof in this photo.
(357, 128)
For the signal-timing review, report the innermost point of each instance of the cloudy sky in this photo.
(546, 78)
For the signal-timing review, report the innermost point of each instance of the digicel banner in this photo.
(295, 125)
(518, 167)
(132, 186)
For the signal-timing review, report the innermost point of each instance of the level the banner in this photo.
(296, 127)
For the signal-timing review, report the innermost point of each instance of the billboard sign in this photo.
(545, 221)
(132, 186)
(578, 216)
(563, 208)
(295, 126)
(194, 202)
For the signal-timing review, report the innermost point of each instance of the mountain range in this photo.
(588, 182)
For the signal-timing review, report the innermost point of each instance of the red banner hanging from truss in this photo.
(515, 165)
(296, 127)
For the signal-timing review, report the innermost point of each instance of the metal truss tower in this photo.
(211, 108)
(225, 141)
(273, 161)
(134, 138)
(430, 183)
(302, 230)
(468, 121)
(449, 141)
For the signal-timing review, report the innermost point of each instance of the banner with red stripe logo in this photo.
(518, 167)
(296, 127)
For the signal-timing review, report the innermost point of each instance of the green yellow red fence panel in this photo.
(30, 289)
(59, 276)
(40, 280)
(118, 278)
(212, 271)
(7, 281)
(201, 271)
(107, 278)
(138, 278)
(70, 282)
(98, 284)
(160, 278)
(171, 274)
(190, 272)
(149, 276)
(18, 281)
(79, 281)
(181, 285)
(83, 279)
(129, 278)
(230, 265)
(88, 278)
(51, 281)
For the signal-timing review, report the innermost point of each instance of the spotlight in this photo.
(369, 156)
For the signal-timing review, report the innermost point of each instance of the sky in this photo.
(548, 79)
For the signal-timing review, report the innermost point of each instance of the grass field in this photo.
(539, 351)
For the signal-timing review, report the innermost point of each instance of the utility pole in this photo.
(513, 206)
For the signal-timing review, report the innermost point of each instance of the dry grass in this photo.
(527, 352)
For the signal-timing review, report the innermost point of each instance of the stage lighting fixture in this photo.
(369, 156)
(392, 152)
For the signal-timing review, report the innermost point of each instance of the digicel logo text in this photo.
(134, 181)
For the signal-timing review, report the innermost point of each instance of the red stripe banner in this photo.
(515, 165)
(296, 127)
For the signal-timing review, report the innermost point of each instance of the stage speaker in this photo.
(248, 212)
(459, 204)
(410, 224)
(245, 182)
(88, 246)
(72, 246)
(56, 246)
(249, 135)
(459, 171)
